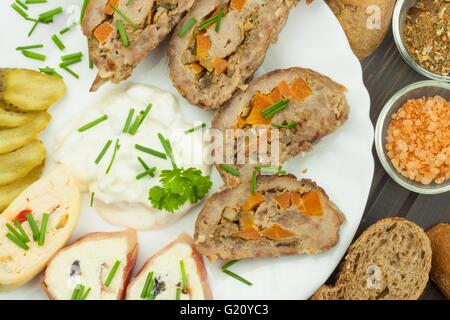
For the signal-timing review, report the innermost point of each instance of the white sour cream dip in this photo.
(120, 198)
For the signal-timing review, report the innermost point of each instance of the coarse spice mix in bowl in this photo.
(412, 135)
(421, 31)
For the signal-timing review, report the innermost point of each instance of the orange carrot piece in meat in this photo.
(275, 95)
(312, 205)
(108, 9)
(296, 200)
(203, 46)
(247, 220)
(237, 5)
(197, 68)
(283, 200)
(260, 103)
(276, 232)
(253, 201)
(285, 90)
(103, 32)
(249, 234)
(300, 89)
(220, 65)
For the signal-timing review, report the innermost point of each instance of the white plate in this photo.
(342, 163)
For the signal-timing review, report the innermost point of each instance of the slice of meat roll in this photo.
(220, 44)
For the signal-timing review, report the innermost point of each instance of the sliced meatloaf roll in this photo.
(116, 51)
(282, 217)
(219, 45)
(297, 106)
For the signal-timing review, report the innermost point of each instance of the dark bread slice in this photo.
(216, 235)
(440, 266)
(390, 260)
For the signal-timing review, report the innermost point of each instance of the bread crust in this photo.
(440, 267)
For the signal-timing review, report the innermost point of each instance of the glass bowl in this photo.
(398, 21)
(416, 90)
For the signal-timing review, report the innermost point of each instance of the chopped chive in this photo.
(70, 62)
(91, 63)
(183, 277)
(44, 224)
(122, 33)
(85, 295)
(34, 55)
(146, 167)
(80, 292)
(116, 148)
(254, 181)
(93, 123)
(146, 112)
(128, 121)
(187, 27)
(35, 1)
(271, 170)
(191, 130)
(15, 233)
(67, 29)
(21, 230)
(19, 10)
(34, 46)
(58, 42)
(50, 13)
(230, 170)
(219, 19)
(70, 71)
(92, 199)
(151, 151)
(229, 264)
(147, 284)
(269, 112)
(112, 273)
(72, 56)
(33, 226)
(18, 241)
(83, 10)
(103, 152)
(140, 119)
(23, 5)
(149, 172)
(50, 71)
(33, 28)
(178, 294)
(237, 277)
(123, 14)
(75, 292)
(290, 125)
(167, 149)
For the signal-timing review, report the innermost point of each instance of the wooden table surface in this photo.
(385, 72)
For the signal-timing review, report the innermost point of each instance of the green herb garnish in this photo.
(153, 152)
(50, 14)
(19, 10)
(35, 1)
(83, 10)
(178, 294)
(44, 224)
(15, 233)
(92, 199)
(122, 14)
(128, 121)
(217, 19)
(122, 33)
(279, 106)
(93, 123)
(140, 119)
(85, 295)
(58, 42)
(183, 277)
(167, 149)
(17, 241)
(33, 226)
(70, 71)
(150, 172)
(237, 277)
(277, 170)
(187, 27)
(148, 287)
(229, 264)
(103, 152)
(79, 292)
(67, 29)
(34, 55)
(191, 130)
(22, 231)
(23, 5)
(69, 62)
(290, 125)
(116, 148)
(33, 46)
(230, 170)
(72, 56)
(33, 28)
(50, 71)
(254, 173)
(112, 273)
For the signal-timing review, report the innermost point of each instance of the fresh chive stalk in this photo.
(75, 292)
(22, 231)
(277, 107)
(83, 10)
(219, 19)
(183, 277)
(17, 241)
(33, 28)
(44, 224)
(146, 289)
(93, 123)
(237, 277)
(67, 29)
(50, 13)
(178, 294)
(146, 167)
(230, 170)
(254, 181)
(15, 233)
(122, 33)
(34, 55)
(72, 56)
(19, 10)
(23, 5)
(85, 295)
(50, 71)
(112, 273)
(70, 71)
(123, 15)
(57, 41)
(116, 148)
(33, 46)
(33, 226)
(151, 151)
(128, 121)
(229, 264)
(35, 1)
(103, 152)
(140, 119)
(167, 149)
(69, 62)
(191, 130)
(289, 125)
(92, 199)
(187, 27)
(149, 172)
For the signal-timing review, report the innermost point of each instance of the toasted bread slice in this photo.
(89, 262)
(283, 217)
(390, 260)
(166, 274)
(440, 266)
(317, 106)
(56, 194)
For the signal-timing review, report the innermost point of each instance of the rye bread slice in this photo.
(440, 266)
(390, 260)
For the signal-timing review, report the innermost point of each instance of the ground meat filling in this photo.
(267, 214)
